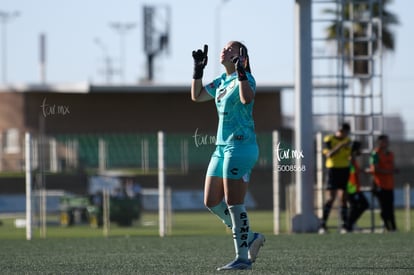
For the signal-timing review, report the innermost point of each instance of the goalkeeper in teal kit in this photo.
(236, 151)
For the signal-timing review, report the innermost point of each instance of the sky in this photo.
(72, 28)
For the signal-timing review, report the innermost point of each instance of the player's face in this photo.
(384, 143)
(229, 51)
(343, 133)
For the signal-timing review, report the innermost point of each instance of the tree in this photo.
(358, 13)
(365, 26)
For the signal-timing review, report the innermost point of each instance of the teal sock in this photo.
(222, 212)
(240, 230)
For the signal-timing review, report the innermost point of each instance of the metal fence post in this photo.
(407, 207)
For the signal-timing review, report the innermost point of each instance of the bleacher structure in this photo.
(131, 151)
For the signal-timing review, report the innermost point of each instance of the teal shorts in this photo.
(233, 161)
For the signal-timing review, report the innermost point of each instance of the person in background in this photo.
(337, 152)
(383, 169)
(357, 201)
(236, 153)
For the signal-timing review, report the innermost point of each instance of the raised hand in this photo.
(200, 61)
(239, 62)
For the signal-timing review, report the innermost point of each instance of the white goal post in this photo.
(161, 184)
(28, 170)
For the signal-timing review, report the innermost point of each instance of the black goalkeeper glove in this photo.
(200, 62)
(239, 64)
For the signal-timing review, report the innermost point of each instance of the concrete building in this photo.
(61, 110)
(87, 109)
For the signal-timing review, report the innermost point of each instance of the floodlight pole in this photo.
(42, 59)
(108, 70)
(155, 40)
(5, 18)
(305, 219)
(122, 29)
(218, 32)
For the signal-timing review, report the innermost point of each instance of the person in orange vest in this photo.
(357, 201)
(383, 169)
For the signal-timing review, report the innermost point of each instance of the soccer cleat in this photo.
(322, 228)
(237, 264)
(343, 230)
(255, 245)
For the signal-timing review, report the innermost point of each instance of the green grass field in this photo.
(199, 244)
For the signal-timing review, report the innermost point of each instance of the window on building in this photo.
(11, 141)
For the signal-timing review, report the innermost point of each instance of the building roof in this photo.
(85, 88)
